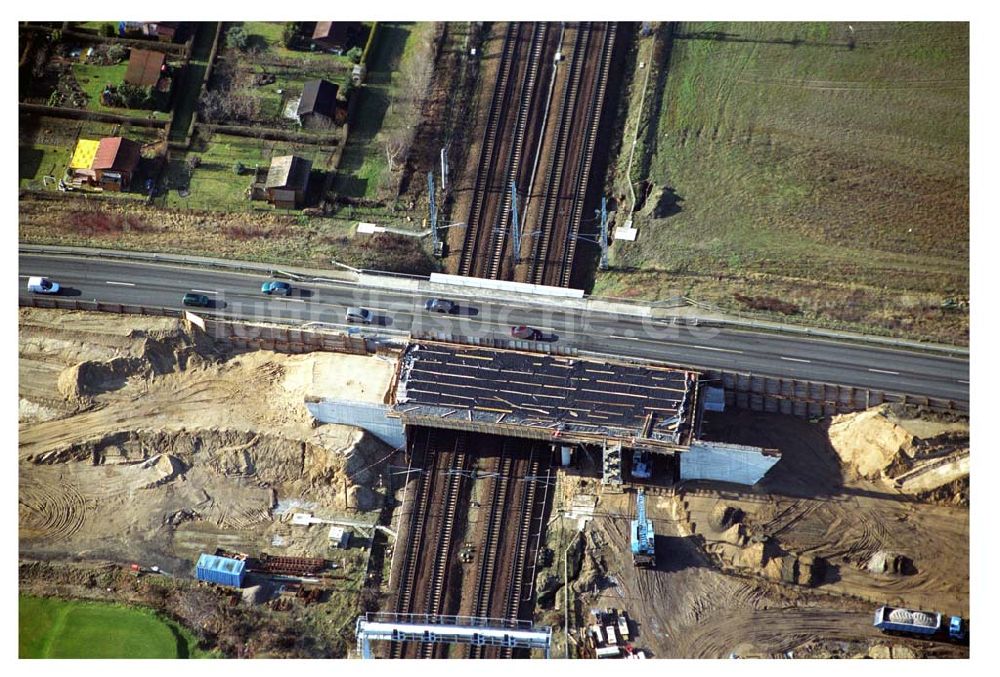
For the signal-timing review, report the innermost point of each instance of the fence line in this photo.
(811, 399)
(241, 335)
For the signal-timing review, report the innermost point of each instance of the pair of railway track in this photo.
(435, 523)
(508, 138)
(443, 475)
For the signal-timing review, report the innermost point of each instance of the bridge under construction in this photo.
(483, 430)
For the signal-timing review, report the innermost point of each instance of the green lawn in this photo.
(824, 164)
(56, 628)
(270, 32)
(214, 185)
(363, 161)
(92, 79)
(36, 162)
(48, 149)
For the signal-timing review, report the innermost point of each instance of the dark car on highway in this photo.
(441, 306)
(199, 300)
(522, 332)
(276, 287)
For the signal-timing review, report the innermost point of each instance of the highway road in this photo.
(237, 294)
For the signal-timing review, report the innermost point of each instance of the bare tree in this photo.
(396, 143)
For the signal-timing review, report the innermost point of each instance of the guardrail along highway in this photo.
(237, 294)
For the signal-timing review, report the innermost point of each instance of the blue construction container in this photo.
(221, 570)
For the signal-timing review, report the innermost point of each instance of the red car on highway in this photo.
(523, 332)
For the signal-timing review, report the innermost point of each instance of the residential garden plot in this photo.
(272, 75)
(57, 628)
(45, 145)
(224, 170)
(387, 102)
(269, 35)
(815, 172)
(75, 74)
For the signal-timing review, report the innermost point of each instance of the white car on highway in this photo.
(42, 285)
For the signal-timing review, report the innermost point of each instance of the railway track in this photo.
(552, 115)
(514, 600)
(526, 100)
(417, 522)
(506, 540)
(487, 154)
(436, 588)
(586, 157)
(547, 223)
(492, 539)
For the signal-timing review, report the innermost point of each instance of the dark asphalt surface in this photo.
(237, 294)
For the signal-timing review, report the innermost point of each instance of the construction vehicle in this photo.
(642, 468)
(923, 624)
(642, 535)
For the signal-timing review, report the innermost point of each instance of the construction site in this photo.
(485, 488)
(288, 474)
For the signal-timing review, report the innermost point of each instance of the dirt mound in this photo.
(869, 443)
(892, 443)
(723, 517)
(890, 563)
(362, 498)
(176, 351)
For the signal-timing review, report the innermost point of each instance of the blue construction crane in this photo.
(642, 535)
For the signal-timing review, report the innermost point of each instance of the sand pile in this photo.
(883, 442)
(85, 380)
(889, 563)
(869, 443)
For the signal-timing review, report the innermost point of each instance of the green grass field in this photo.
(214, 185)
(363, 162)
(824, 165)
(56, 628)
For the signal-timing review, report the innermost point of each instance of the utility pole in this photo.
(444, 169)
(515, 223)
(604, 234)
(438, 249)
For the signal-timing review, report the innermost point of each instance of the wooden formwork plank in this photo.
(817, 392)
(772, 386)
(743, 383)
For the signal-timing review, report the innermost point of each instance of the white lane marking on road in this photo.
(718, 350)
(965, 382)
(795, 359)
(285, 298)
(205, 291)
(884, 371)
(681, 345)
(121, 284)
(25, 277)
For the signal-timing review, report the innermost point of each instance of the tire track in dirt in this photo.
(51, 511)
(773, 630)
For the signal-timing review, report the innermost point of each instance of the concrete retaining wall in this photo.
(725, 463)
(365, 415)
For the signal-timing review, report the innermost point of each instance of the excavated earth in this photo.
(797, 563)
(142, 440)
